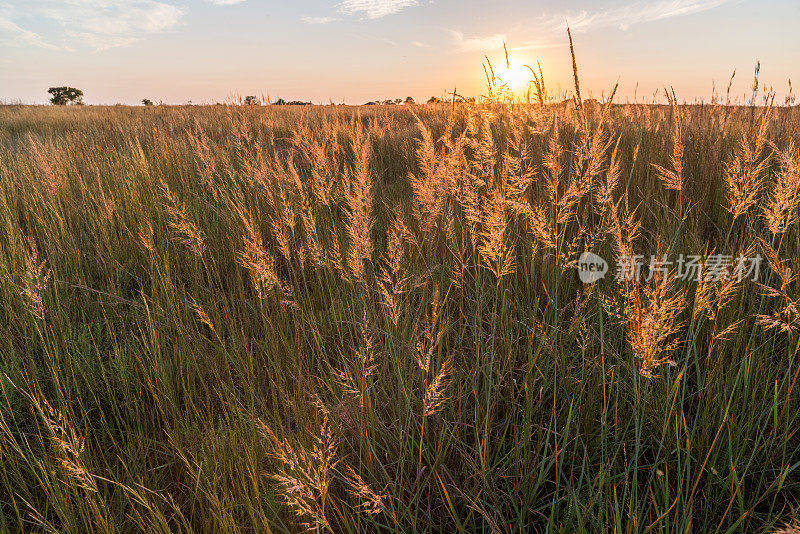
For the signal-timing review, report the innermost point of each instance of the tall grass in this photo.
(231, 319)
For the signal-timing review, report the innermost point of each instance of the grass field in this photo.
(248, 318)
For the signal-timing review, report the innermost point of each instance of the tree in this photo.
(147, 102)
(61, 96)
(280, 102)
(250, 100)
(410, 100)
(434, 100)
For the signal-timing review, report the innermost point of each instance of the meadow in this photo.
(340, 319)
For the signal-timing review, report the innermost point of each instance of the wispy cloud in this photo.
(375, 9)
(13, 35)
(552, 25)
(485, 43)
(629, 15)
(100, 42)
(319, 20)
(535, 45)
(99, 24)
(494, 42)
(226, 2)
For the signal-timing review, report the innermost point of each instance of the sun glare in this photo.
(516, 76)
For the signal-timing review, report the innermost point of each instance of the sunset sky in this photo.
(120, 51)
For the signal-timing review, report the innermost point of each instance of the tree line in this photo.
(65, 95)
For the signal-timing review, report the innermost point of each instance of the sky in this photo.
(354, 51)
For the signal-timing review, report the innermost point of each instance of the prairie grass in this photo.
(243, 318)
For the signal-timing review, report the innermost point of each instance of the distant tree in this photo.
(147, 102)
(61, 96)
(250, 100)
(434, 100)
(398, 101)
(280, 102)
(410, 100)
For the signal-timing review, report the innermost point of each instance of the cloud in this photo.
(13, 35)
(99, 42)
(494, 42)
(375, 9)
(102, 24)
(629, 15)
(486, 43)
(319, 20)
(226, 2)
(553, 24)
(535, 45)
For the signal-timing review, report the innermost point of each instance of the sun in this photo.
(516, 76)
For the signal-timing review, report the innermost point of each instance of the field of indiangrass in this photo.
(254, 319)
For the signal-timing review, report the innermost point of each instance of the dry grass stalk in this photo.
(34, 280)
(392, 281)
(202, 316)
(360, 200)
(50, 176)
(792, 528)
(431, 335)
(428, 185)
(363, 364)
(578, 99)
(624, 228)
(372, 503)
(604, 194)
(713, 295)
(651, 314)
(205, 161)
(781, 209)
(258, 262)
(495, 250)
(282, 222)
(186, 232)
(304, 475)
(673, 178)
(786, 314)
(146, 236)
(744, 176)
(68, 445)
(435, 392)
